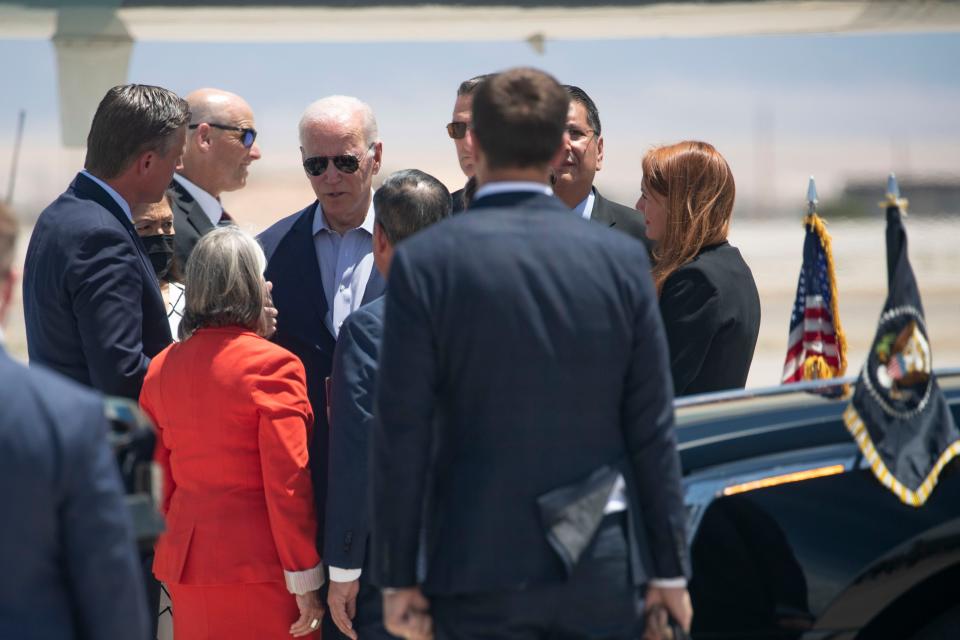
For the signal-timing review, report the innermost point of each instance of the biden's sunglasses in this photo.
(247, 135)
(345, 163)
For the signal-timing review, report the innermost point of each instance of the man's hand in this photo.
(342, 603)
(268, 317)
(406, 614)
(675, 601)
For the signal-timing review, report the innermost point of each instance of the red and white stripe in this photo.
(815, 336)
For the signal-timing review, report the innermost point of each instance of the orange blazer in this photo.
(233, 420)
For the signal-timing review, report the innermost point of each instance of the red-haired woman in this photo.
(708, 298)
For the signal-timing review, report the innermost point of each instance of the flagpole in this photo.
(893, 198)
(811, 197)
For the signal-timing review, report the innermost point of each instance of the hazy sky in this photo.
(780, 108)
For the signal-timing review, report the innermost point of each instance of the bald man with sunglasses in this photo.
(221, 144)
(320, 261)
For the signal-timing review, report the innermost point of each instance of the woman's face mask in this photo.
(160, 251)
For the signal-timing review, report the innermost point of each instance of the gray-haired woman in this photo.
(233, 421)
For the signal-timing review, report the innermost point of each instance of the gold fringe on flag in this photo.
(914, 498)
(816, 367)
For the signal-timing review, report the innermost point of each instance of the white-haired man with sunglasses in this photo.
(320, 261)
(221, 144)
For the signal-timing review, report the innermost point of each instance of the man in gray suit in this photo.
(221, 144)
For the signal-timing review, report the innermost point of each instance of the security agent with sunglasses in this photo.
(584, 158)
(320, 260)
(457, 130)
(518, 379)
(221, 144)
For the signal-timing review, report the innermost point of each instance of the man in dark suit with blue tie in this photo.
(93, 308)
(523, 376)
(405, 203)
(66, 546)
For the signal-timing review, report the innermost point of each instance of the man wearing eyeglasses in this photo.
(574, 176)
(320, 260)
(221, 144)
(457, 130)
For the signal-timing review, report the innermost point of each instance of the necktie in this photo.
(225, 219)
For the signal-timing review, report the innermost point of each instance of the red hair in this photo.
(698, 191)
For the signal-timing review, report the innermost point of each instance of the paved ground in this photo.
(773, 251)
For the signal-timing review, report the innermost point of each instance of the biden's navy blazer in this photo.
(298, 296)
(68, 561)
(91, 301)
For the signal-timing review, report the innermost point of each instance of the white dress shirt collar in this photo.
(210, 205)
(585, 208)
(320, 220)
(512, 186)
(113, 194)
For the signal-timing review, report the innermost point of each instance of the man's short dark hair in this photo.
(130, 120)
(408, 201)
(580, 96)
(519, 117)
(8, 240)
(467, 87)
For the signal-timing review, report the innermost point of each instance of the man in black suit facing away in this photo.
(522, 371)
(407, 202)
(584, 158)
(221, 144)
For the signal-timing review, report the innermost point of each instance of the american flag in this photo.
(816, 347)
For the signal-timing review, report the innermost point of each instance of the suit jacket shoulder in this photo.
(92, 305)
(72, 549)
(271, 237)
(711, 314)
(189, 220)
(621, 218)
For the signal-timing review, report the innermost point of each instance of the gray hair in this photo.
(408, 201)
(340, 109)
(224, 282)
(130, 120)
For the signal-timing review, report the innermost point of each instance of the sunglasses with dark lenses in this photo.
(345, 163)
(457, 130)
(247, 135)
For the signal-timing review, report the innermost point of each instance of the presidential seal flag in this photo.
(816, 346)
(898, 414)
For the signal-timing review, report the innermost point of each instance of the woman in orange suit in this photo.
(232, 415)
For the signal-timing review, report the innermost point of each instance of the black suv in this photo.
(793, 537)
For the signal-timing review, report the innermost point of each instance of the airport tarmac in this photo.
(773, 250)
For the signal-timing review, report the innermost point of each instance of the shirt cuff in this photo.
(301, 582)
(669, 583)
(344, 575)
